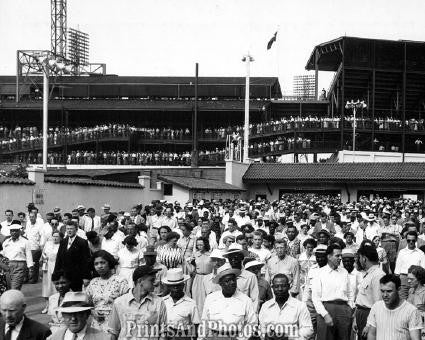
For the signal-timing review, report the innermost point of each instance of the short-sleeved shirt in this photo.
(127, 314)
(394, 324)
(182, 313)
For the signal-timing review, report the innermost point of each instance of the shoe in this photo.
(44, 311)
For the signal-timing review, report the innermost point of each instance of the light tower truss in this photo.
(58, 27)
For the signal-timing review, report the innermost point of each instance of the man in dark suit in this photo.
(73, 258)
(14, 324)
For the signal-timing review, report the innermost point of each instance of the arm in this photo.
(162, 321)
(305, 326)
(30, 262)
(114, 324)
(254, 292)
(371, 335)
(316, 295)
(85, 256)
(296, 282)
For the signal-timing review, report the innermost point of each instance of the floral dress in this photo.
(3, 275)
(102, 294)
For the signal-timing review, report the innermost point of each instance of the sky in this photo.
(167, 37)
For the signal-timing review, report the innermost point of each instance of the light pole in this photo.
(47, 64)
(247, 60)
(355, 105)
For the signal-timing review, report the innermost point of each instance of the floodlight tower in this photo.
(58, 27)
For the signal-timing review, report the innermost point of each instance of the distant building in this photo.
(304, 87)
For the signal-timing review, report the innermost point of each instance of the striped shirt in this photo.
(394, 324)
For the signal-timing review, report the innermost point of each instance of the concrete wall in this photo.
(378, 157)
(234, 172)
(15, 197)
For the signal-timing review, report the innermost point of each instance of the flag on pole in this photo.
(271, 41)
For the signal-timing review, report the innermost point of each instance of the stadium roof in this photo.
(334, 172)
(330, 53)
(89, 181)
(193, 183)
(139, 105)
(15, 180)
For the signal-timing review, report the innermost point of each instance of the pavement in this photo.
(35, 302)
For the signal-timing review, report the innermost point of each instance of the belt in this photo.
(337, 302)
(15, 261)
(202, 273)
(363, 308)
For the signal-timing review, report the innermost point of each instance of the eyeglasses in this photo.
(411, 241)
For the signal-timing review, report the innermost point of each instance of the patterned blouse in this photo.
(169, 257)
(102, 294)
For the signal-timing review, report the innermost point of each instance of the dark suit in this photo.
(91, 334)
(31, 330)
(74, 261)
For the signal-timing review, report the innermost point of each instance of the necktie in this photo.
(8, 334)
(74, 336)
(69, 243)
(92, 223)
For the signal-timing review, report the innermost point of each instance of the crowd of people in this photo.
(21, 138)
(124, 158)
(302, 267)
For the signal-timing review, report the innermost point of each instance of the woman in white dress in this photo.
(129, 258)
(48, 256)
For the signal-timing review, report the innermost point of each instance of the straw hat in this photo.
(224, 270)
(74, 302)
(175, 276)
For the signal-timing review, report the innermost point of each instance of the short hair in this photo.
(108, 257)
(171, 235)
(369, 252)
(240, 237)
(332, 247)
(233, 221)
(418, 272)
(58, 274)
(206, 242)
(412, 233)
(68, 215)
(22, 214)
(166, 227)
(72, 223)
(130, 240)
(391, 278)
(8, 210)
(281, 276)
(188, 226)
(258, 233)
(281, 241)
(310, 241)
(90, 210)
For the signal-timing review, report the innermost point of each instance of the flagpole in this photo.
(247, 59)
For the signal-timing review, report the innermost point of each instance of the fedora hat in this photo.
(235, 248)
(216, 253)
(15, 227)
(74, 302)
(175, 276)
(371, 217)
(224, 270)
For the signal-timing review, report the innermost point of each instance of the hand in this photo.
(355, 329)
(86, 282)
(328, 320)
(365, 331)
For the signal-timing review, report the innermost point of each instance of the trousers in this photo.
(17, 274)
(341, 316)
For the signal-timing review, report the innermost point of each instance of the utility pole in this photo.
(195, 153)
(247, 59)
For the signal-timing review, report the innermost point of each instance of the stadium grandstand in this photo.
(109, 119)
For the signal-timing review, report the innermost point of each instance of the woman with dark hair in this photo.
(104, 288)
(202, 266)
(170, 254)
(163, 232)
(62, 285)
(416, 280)
(129, 258)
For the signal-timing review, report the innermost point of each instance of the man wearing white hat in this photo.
(247, 282)
(227, 307)
(370, 230)
(182, 312)
(18, 251)
(348, 259)
(76, 310)
(242, 219)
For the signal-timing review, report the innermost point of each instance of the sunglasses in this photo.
(410, 241)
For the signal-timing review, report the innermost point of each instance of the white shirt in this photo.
(331, 285)
(371, 231)
(33, 233)
(242, 220)
(407, 258)
(5, 228)
(293, 313)
(18, 250)
(90, 224)
(15, 332)
(182, 313)
(80, 335)
(111, 246)
(212, 239)
(235, 310)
